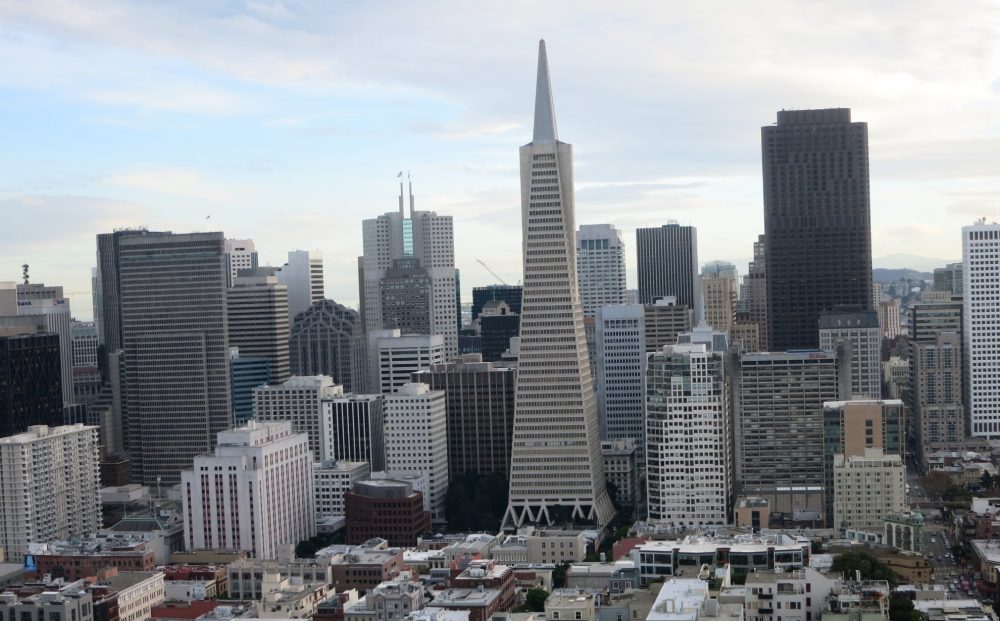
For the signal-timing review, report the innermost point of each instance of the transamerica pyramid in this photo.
(556, 469)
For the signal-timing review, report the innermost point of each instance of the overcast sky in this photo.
(287, 122)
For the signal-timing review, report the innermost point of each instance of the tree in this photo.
(901, 609)
(534, 600)
(870, 567)
(936, 483)
(559, 576)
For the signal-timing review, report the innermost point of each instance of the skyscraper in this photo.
(667, 264)
(860, 328)
(621, 369)
(688, 434)
(257, 320)
(327, 339)
(511, 294)
(665, 320)
(177, 359)
(109, 322)
(600, 263)
(756, 291)
(30, 382)
(557, 470)
(718, 285)
(426, 241)
(241, 254)
(49, 302)
(303, 275)
(981, 326)
(816, 221)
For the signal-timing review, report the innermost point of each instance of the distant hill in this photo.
(910, 262)
(880, 274)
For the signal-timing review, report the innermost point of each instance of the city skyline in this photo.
(285, 145)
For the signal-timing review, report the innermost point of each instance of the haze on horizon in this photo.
(288, 122)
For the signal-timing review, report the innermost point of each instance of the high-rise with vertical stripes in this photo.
(981, 326)
(557, 472)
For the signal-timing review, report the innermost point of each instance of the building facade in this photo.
(254, 493)
(327, 339)
(51, 486)
(387, 509)
(245, 374)
(176, 361)
(665, 319)
(241, 254)
(720, 290)
(303, 275)
(556, 452)
(53, 309)
(333, 479)
(621, 371)
(399, 357)
(981, 326)
(861, 329)
(30, 382)
(817, 221)
(688, 435)
(353, 427)
(479, 400)
(600, 266)
(257, 321)
(867, 489)
(936, 392)
(511, 294)
(667, 264)
(416, 438)
(300, 401)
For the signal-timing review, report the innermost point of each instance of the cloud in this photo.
(468, 132)
(173, 182)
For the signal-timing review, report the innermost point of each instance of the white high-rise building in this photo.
(981, 326)
(37, 299)
(600, 266)
(255, 493)
(50, 487)
(416, 439)
(888, 318)
(333, 479)
(85, 344)
(399, 357)
(556, 462)
(688, 435)
(426, 237)
(861, 329)
(303, 275)
(353, 429)
(867, 489)
(621, 369)
(300, 401)
(241, 254)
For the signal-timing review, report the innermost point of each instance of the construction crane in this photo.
(495, 275)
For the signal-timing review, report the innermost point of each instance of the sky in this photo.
(287, 122)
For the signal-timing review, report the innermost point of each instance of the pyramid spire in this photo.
(545, 112)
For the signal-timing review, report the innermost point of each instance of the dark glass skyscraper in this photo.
(30, 386)
(667, 262)
(816, 221)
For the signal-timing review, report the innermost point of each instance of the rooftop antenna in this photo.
(24, 273)
(399, 176)
(408, 179)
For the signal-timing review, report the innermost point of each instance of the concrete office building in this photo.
(621, 370)
(851, 427)
(301, 402)
(85, 344)
(254, 493)
(416, 439)
(30, 382)
(177, 361)
(50, 487)
(399, 357)
(386, 509)
(426, 240)
(756, 290)
(667, 263)
(245, 374)
(949, 279)
(867, 489)
(497, 325)
(327, 339)
(479, 400)
(405, 297)
(665, 320)
(600, 266)
(556, 456)
(621, 468)
(688, 435)
(257, 321)
(303, 275)
(241, 254)
(779, 427)
(928, 319)
(936, 392)
(861, 329)
(719, 288)
(817, 221)
(511, 294)
(981, 326)
(888, 318)
(353, 429)
(50, 304)
(332, 479)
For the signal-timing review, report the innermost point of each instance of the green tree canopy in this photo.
(534, 600)
(870, 567)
